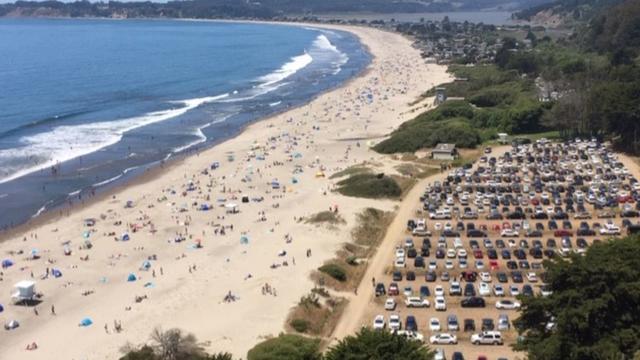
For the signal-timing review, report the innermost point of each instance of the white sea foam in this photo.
(201, 137)
(295, 64)
(67, 142)
(275, 103)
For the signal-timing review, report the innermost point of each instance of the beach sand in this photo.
(185, 285)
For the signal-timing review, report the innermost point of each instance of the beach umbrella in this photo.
(131, 277)
(7, 263)
(86, 322)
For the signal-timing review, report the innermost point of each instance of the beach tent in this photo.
(244, 239)
(35, 254)
(7, 263)
(25, 290)
(86, 234)
(275, 185)
(215, 165)
(125, 237)
(294, 180)
(56, 273)
(89, 222)
(1, 308)
(205, 207)
(132, 277)
(129, 204)
(86, 322)
(297, 155)
(146, 265)
(11, 325)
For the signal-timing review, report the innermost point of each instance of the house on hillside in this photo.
(444, 152)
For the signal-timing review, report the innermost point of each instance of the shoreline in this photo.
(321, 131)
(58, 212)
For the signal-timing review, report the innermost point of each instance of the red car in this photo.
(562, 232)
(477, 254)
(493, 265)
(393, 289)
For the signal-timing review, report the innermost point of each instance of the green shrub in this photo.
(372, 186)
(335, 271)
(286, 347)
(299, 325)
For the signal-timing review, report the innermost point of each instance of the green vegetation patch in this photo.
(335, 271)
(371, 186)
(286, 347)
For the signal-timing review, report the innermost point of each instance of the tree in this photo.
(173, 344)
(370, 344)
(594, 310)
(286, 347)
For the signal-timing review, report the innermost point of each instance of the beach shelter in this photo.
(86, 322)
(129, 204)
(7, 263)
(244, 239)
(146, 265)
(132, 277)
(125, 237)
(35, 254)
(56, 273)
(294, 180)
(24, 290)
(1, 308)
(11, 325)
(275, 185)
(215, 165)
(205, 207)
(297, 155)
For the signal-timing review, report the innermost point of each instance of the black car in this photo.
(488, 325)
(397, 276)
(469, 325)
(492, 254)
(505, 254)
(516, 276)
(430, 276)
(473, 302)
(419, 262)
(527, 290)
(412, 253)
(476, 233)
(502, 277)
(380, 290)
(440, 254)
(457, 356)
(411, 276)
(512, 265)
(469, 290)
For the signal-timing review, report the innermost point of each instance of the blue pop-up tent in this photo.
(132, 277)
(86, 322)
(56, 273)
(7, 263)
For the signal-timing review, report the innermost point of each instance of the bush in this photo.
(370, 186)
(299, 325)
(286, 347)
(335, 271)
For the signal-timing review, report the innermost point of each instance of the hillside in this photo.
(266, 9)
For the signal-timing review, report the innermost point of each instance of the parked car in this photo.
(507, 305)
(443, 339)
(487, 338)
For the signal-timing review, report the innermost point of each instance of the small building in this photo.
(444, 152)
(441, 96)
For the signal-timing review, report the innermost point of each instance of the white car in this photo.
(390, 304)
(514, 290)
(455, 288)
(434, 324)
(512, 243)
(487, 338)
(440, 303)
(416, 302)
(498, 290)
(400, 263)
(437, 226)
(410, 335)
(394, 322)
(532, 277)
(484, 289)
(400, 253)
(610, 230)
(507, 305)
(407, 291)
(485, 276)
(433, 265)
(448, 264)
(444, 338)
(509, 233)
(438, 290)
(462, 254)
(439, 354)
(451, 253)
(378, 322)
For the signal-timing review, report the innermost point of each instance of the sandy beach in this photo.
(179, 235)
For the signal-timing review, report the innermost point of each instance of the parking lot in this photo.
(479, 236)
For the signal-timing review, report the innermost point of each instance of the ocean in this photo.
(86, 105)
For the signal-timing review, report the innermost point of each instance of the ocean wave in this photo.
(338, 57)
(295, 64)
(67, 142)
(201, 137)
